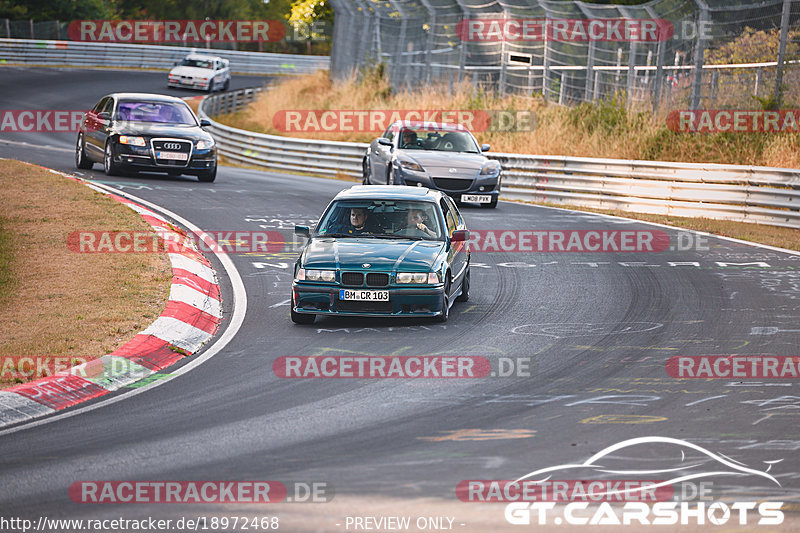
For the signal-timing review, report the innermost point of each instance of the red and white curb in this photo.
(191, 317)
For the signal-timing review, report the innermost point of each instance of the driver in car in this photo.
(415, 225)
(409, 139)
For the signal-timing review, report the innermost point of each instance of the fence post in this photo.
(33, 35)
(659, 81)
(561, 89)
(587, 94)
(787, 8)
(698, 55)
(758, 80)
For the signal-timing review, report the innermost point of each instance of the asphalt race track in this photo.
(596, 328)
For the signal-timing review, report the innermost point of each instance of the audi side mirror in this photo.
(204, 122)
(304, 231)
(383, 141)
(485, 147)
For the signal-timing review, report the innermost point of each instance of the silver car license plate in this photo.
(479, 198)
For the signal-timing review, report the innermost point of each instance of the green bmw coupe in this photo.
(383, 251)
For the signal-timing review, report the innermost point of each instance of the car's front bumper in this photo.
(453, 187)
(141, 158)
(323, 299)
(189, 84)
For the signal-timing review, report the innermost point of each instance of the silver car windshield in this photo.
(437, 140)
(393, 219)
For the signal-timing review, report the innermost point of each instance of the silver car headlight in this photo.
(490, 168)
(412, 165)
(315, 275)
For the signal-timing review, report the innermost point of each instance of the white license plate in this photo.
(177, 156)
(480, 198)
(364, 296)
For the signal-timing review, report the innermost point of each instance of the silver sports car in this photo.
(444, 157)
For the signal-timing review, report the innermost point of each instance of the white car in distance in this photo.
(197, 71)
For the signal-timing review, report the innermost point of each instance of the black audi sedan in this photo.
(439, 156)
(129, 132)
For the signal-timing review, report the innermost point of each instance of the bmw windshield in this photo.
(381, 219)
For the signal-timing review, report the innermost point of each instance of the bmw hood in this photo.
(381, 254)
(193, 72)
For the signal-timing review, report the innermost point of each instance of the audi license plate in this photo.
(479, 198)
(177, 156)
(364, 296)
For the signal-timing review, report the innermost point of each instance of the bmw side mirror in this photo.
(383, 141)
(460, 235)
(104, 115)
(302, 230)
(485, 147)
(204, 122)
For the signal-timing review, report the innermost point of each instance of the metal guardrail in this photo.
(76, 53)
(733, 192)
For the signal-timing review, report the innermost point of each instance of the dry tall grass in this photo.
(604, 129)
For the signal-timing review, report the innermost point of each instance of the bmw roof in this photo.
(388, 192)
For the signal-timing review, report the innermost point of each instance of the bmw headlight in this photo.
(315, 275)
(204, 145)
(417, 277)
(135, 141)
(412, 165)
(490, 168)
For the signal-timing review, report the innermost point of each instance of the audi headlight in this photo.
(204, 145)
(315, 275)
(411, 165)
(135, 141)
(417, 277)
(490, 168)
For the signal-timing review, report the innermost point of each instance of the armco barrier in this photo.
(27, 51)
(733, 192)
